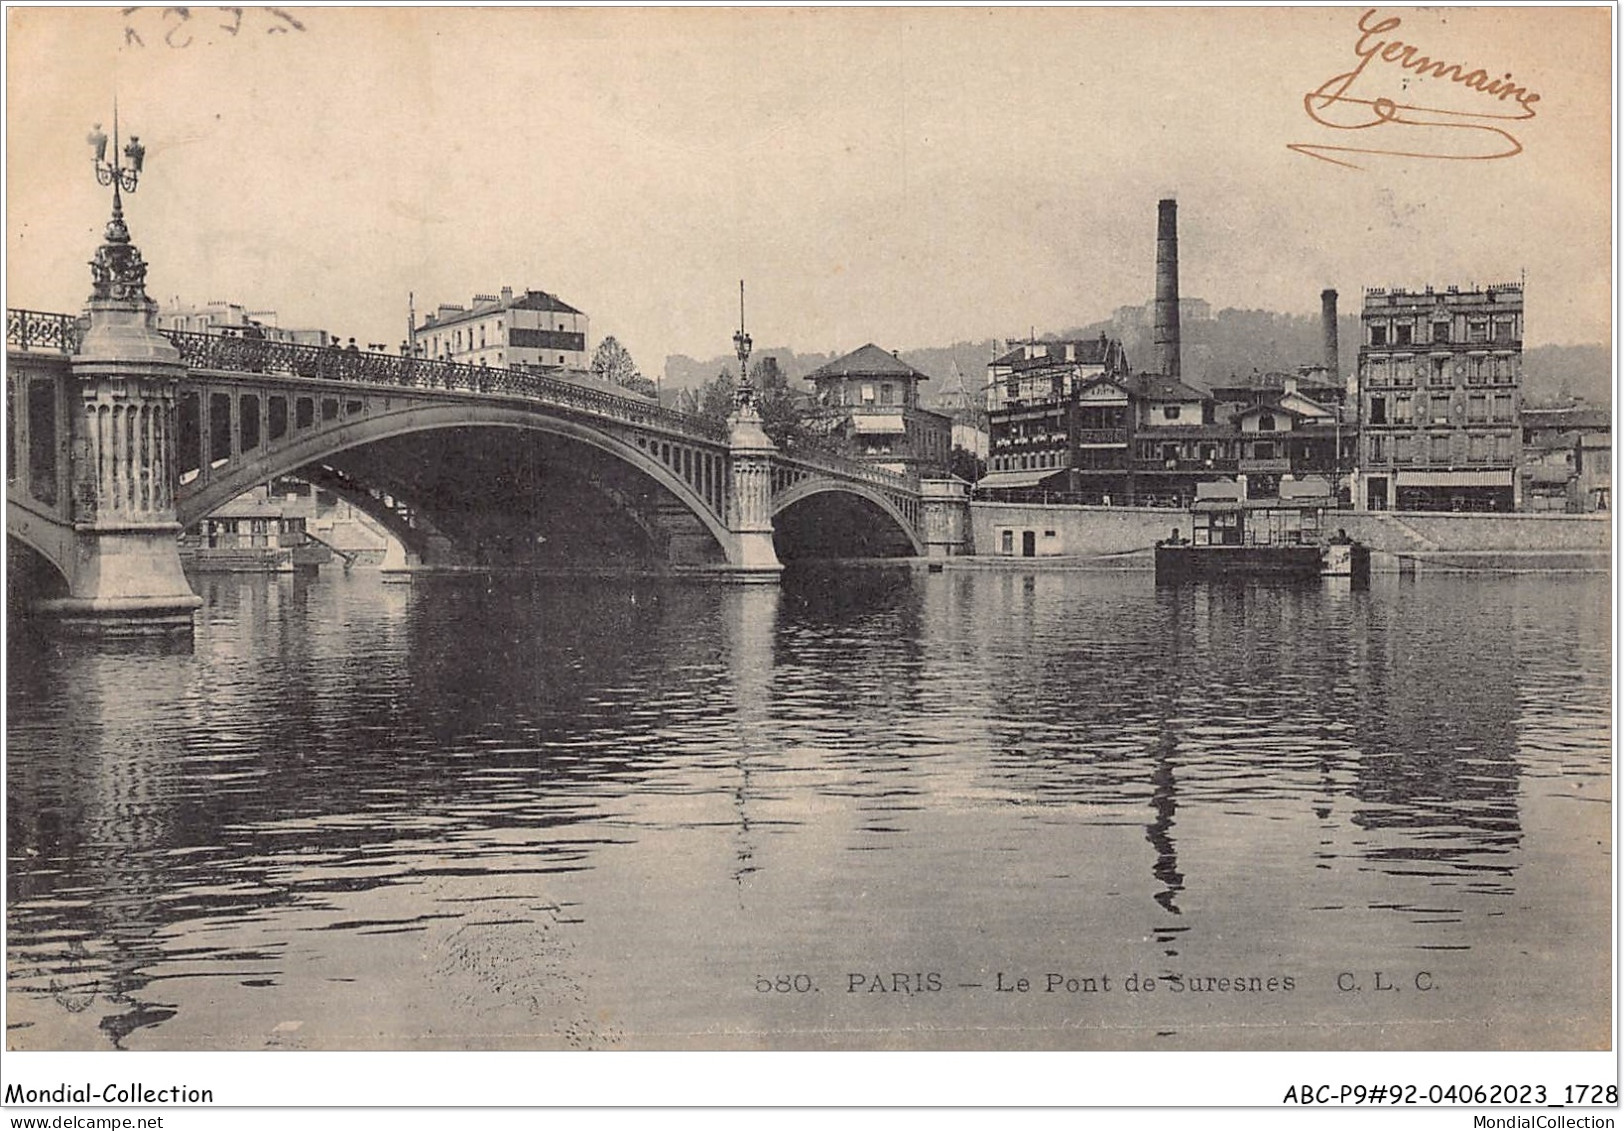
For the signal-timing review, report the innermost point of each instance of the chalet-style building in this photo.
(870, 399)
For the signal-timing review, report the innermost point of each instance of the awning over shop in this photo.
(999, 479)
(1454, 478)
(869, 424)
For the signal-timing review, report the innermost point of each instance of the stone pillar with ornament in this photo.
(751, 451)
(126, 576)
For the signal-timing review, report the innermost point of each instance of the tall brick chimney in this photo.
(1165, 336)
(1328, 318)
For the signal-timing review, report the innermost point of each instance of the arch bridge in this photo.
(125, 427)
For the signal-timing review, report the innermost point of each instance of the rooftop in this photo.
(1084, 351)
(867, 361)
(486, 304)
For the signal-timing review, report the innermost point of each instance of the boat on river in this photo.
(1283, 536)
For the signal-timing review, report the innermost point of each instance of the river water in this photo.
(869, 809)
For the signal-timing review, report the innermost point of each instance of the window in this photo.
(1502, 448)
(1477, 370)
(1265, 422)
(1378, 335)
(886, 393)
(1006, 541)
(868, 394)
(1440, 448)
(1401, 334)
(1440, 371)
(1378, 411)
(1477, 331)
(1503, 329)
(1477, 408)
(1401, 449)
(1378, 372)
(1264, 449)
(1477, 448)
(1378, 448)
(1502, 406)
(1440, 331)
(1440, 409)
(1404, 371)
(1170, 412)
(1401, 410)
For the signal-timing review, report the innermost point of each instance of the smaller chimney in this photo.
(1328, 317)
(507, 296)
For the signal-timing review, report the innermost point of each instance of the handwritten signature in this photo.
(181, 27)
(1408, 129)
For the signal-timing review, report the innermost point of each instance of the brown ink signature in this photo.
(1407, 129)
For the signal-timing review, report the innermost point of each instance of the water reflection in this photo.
(517, 774)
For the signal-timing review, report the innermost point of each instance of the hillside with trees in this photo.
(1230, 344)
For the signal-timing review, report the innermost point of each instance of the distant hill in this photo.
(1232, 343)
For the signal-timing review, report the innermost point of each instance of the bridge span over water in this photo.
(118, 429)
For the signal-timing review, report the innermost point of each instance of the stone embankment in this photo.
(1123, 537)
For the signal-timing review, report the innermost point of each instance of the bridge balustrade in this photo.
(256, 355)
(40, 330)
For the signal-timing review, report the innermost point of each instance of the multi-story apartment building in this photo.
(1439, 390)
(1049, 402)
(870, 398)
(506, 332)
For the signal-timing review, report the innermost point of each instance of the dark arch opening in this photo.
(837, 524)
(30, 577)
(515, 498)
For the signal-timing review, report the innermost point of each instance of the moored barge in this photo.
(1281, 537)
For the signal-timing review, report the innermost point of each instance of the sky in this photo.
(908, 177)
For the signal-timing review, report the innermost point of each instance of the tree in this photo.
(966, 465)
(783, 411)
(716, 399)
(788, 417)
(612, 362)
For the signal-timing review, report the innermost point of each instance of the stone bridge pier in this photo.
(124, 574)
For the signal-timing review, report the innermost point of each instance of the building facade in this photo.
(1440, 392)
(506, 331)
(870, 399)
(1567, 462)
(219, 316)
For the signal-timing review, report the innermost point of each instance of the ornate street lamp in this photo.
(118, 270)
(746, 393)
(117, 172)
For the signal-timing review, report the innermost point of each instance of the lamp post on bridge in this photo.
(745, 394)
(750, 456)
(125, 576)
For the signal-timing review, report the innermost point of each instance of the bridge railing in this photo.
(60, 333)
(259, 355)
(41, 330)
(837, 463)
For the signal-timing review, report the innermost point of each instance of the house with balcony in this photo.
(1058, 420)
(869, 399)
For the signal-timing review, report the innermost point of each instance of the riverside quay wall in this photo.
(1123, 537)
